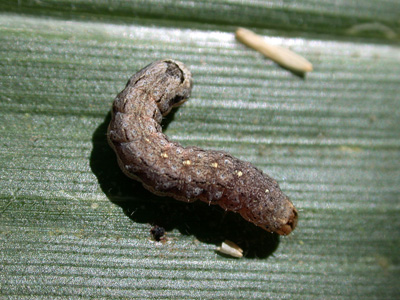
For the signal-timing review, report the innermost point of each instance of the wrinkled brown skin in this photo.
(188, 173)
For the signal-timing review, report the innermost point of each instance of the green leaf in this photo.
(73, 226)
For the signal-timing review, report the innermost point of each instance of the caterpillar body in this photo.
(188, 173)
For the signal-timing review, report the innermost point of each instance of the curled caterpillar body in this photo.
(188, 173)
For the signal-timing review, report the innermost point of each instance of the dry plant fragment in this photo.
(280, 55)
(230, 248)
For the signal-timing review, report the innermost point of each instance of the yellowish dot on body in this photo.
(187, 162)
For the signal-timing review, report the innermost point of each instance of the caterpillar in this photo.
(187, 174)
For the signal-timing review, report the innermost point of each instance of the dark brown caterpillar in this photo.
(187, 173)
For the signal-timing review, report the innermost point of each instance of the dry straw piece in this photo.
(280, 55)
(230, 248)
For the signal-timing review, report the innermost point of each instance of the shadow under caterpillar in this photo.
(188, 173)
